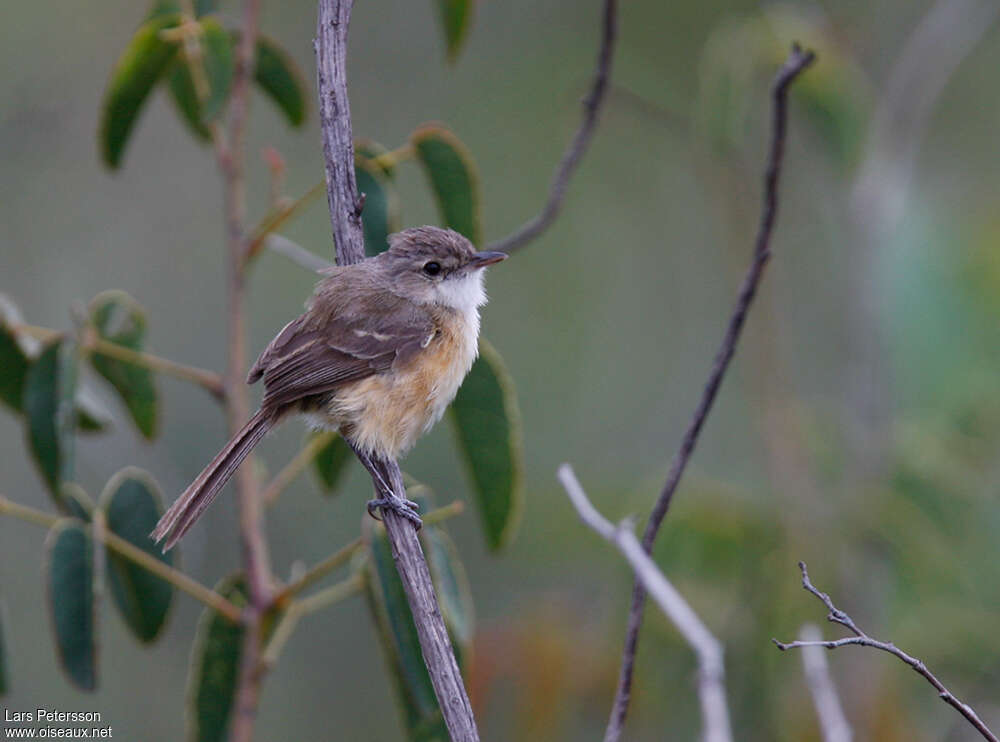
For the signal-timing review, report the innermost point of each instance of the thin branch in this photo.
(295, 467)
(209, 380)
(578, 145)
(797, 61)
(343, 555)
(323, 599)
(345, 216)
(862, 639)
(711, 676)
(830, 714)
(279, 216)
(134, 554)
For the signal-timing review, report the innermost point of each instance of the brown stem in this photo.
(345, 216)
(797, 61)
(256, 564)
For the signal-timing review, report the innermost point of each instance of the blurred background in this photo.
(858, 429)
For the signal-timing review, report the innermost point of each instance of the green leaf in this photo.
(453, 178)
(71, 601)
(331, 461)
(132, 505)
(488, 423)
(14, 364)
(215, 664)
(49, 409)
(76, 502)
(279, 77)
(140, 66)
(119, 319)
(218, 65)
(451, 585)
(455, 17)
(401, 644)
(4, 686)
(380, 216)
(372, 150)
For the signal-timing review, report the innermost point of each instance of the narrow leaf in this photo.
(71, 601)
(371, 150)
(453, 178)
(76, 502)
(488, 424)
(91, 415)
(215, 664)
(132, 504)
(279, 77)
(401, 644)
(451, 585)
(331, 462)
(380, 216)
(455, 17)
(217, 63)
(119, 319)
(166, 7)
(49, 409)
(14, 363)
(140, 66)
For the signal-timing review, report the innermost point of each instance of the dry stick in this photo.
(862, 639)
(712, 673)
(345, 217)
(797, 61)
(578, 145)
(830, 714)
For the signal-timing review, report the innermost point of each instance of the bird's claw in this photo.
(406, 508)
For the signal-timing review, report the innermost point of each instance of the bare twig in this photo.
(296, 253)
(830, 714)
(134, 554)
(712, 673)
(862, 639)
(345, 216)
(296, 466)
(797, 61)
(578, 145)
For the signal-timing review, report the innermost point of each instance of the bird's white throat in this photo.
(466, 294)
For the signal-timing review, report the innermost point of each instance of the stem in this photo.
(320, 570)
(286, 627)
(209, 380)
(134, 554)
(279, 216)
(256, 562)
(295, 467)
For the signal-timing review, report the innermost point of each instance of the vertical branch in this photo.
(797, 61)
(345, 217)
(256, 563)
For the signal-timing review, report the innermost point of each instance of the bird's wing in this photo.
(314, 355)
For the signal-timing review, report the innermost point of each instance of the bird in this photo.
(377, 356)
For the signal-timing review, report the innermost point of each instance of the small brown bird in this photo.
(378, 355)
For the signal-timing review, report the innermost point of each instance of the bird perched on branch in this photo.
(378, 355)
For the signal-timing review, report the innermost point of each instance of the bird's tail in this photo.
(200, 493)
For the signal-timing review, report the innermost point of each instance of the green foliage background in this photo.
(607, 326)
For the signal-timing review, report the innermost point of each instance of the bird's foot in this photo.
(406, 508)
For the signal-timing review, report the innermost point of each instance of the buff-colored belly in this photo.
(386, 413)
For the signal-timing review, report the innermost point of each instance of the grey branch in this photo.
(711, 674)
(345, 216)
(832, 722)
(578, 145)
(862, 639)
(797, 61)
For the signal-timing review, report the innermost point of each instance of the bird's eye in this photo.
(432, 268)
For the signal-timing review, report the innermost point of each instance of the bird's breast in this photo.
(386, 413)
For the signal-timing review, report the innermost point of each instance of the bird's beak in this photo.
(488, 257)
